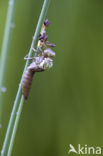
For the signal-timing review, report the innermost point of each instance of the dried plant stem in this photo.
(4, 51)
(14, 119)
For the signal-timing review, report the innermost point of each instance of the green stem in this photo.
(15, 126)
(16, 106)
(4, 50)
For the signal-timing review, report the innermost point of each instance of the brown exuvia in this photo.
(28, 77)
(41, 62)
(27, 82)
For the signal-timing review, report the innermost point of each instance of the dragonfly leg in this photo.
(29, 58)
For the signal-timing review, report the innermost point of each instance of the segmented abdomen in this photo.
(27, 82)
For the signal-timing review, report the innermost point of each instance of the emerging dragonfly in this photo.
(43, 60)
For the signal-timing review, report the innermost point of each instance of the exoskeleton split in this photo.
(43, 60)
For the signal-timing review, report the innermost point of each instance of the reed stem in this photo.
(4, 51)
(15, 126)
(14, 119)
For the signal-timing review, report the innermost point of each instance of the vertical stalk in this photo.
(15, 126)
(5, 49)
(12, 126)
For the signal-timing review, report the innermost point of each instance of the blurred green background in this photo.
(65, 105)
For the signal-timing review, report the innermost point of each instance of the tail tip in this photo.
(25, 98)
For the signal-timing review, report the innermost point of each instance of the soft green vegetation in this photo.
(4, 51)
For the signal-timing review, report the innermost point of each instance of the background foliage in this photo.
(66, 103)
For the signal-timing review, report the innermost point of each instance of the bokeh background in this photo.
(65, 105)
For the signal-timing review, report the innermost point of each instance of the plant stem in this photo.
(5, 48)
(16, 106)
(15, 125)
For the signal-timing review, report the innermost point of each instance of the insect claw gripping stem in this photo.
(41, 62)
(29, 58)
(34, 50)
